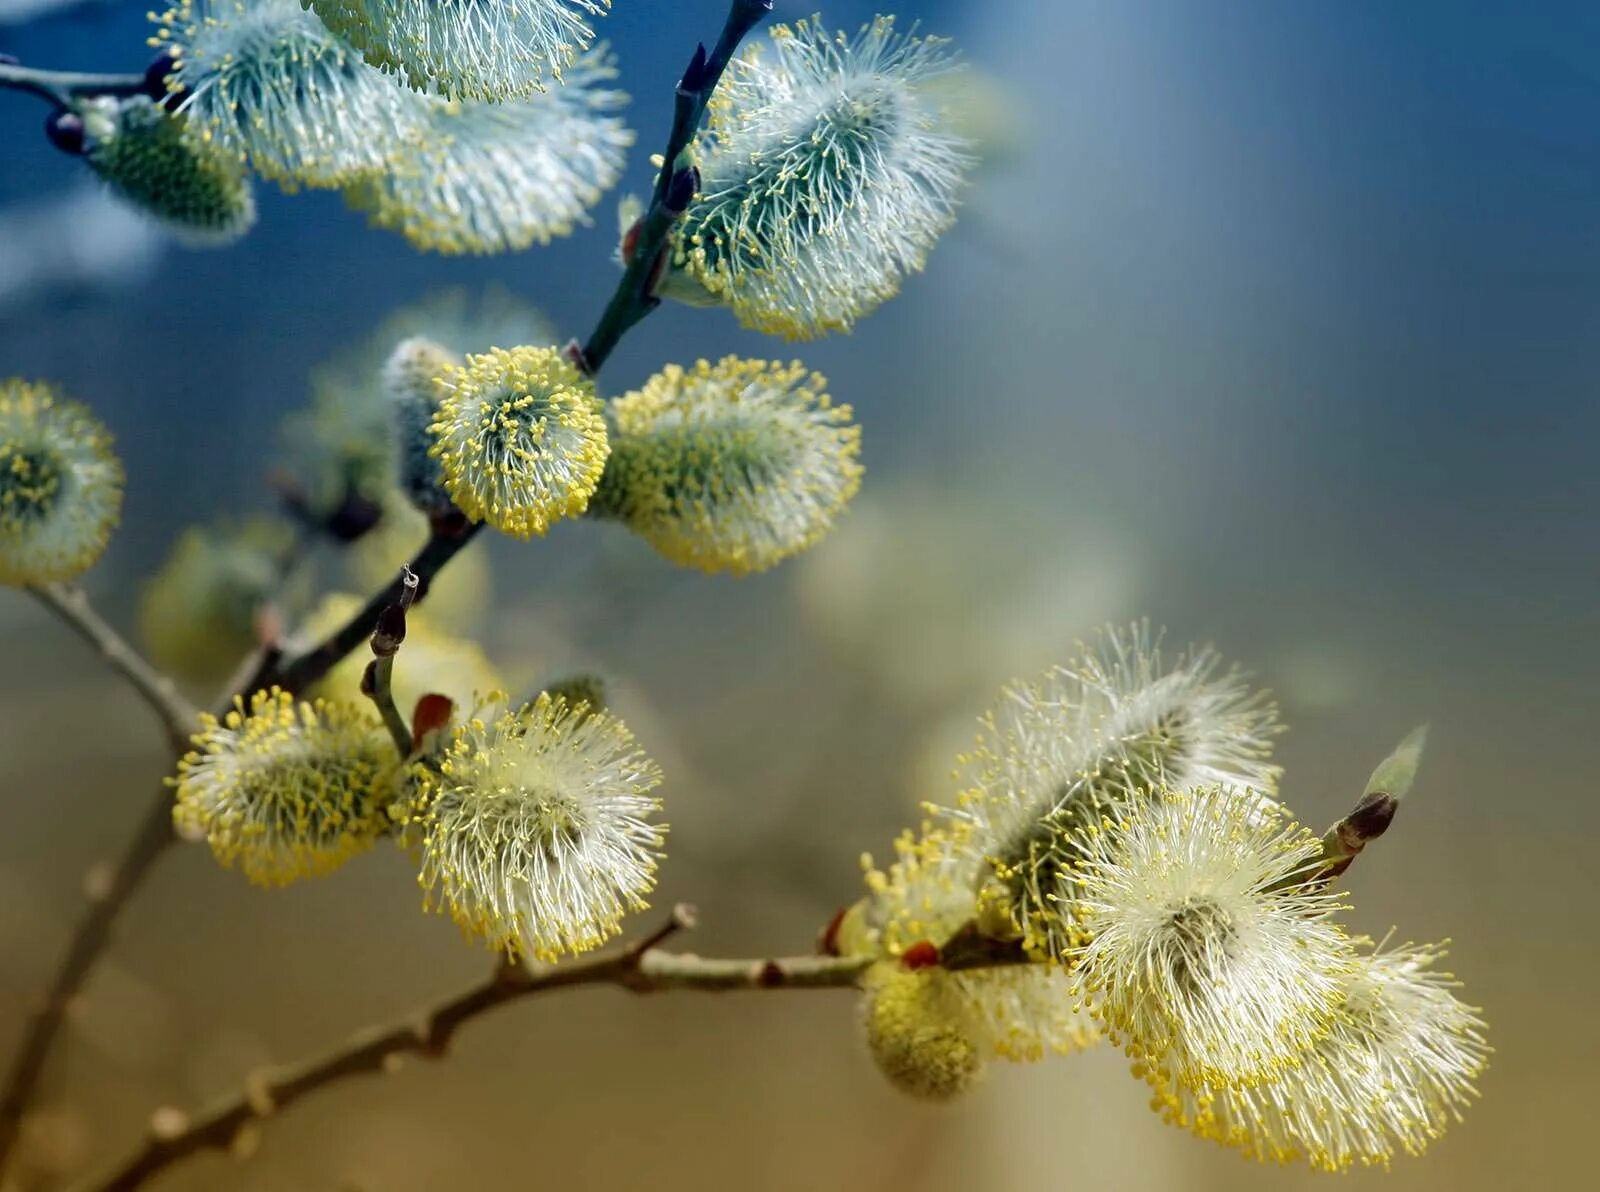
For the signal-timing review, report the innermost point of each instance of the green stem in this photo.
(387, 638)
(383, 696)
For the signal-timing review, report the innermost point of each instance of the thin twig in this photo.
(632, 301)
(108, 894)
(634, 297)
(178, 716)
(302, 671)
(641, 967)
(61, 86)
(378, 682)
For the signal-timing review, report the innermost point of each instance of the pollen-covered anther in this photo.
(521, 437)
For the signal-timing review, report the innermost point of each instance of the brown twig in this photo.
(635, 296)
(178, 716)
(108, 893)
(640, 967)
(632, 300)
(303, 670)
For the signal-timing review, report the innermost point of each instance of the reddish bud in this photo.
(630, 241)
(828, 941)
(432, 713)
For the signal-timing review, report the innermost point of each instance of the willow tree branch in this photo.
(635, 297)
(300, 672)
(108, 894)
(60, 87)
(178, 716)
(633, 300)
(108, 891)
(640, 967)
(378, 681)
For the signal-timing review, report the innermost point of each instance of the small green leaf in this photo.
(1396, 772)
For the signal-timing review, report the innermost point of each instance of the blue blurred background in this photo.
(1276, 323)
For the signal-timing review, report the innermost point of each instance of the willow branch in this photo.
(108, 893)
(640, 967)
(633, 299)
(378, 681)
(302, 671)
(60, 87)
(675, 186)
(178, 716)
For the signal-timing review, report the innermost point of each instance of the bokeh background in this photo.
(1276, 323)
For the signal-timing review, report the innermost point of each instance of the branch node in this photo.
(245, 1142)
(684, 917)
(258, 1094)
(99, 881)
(168, 1123)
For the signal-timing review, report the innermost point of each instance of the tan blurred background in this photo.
(1275, 324)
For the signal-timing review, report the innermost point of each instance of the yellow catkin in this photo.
(286, 789)
(827, 174)
(732, 466)
(521, 437)
(491, 50)
(154, 160)
(916, 1036)
(60, 485)
(534, 827)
